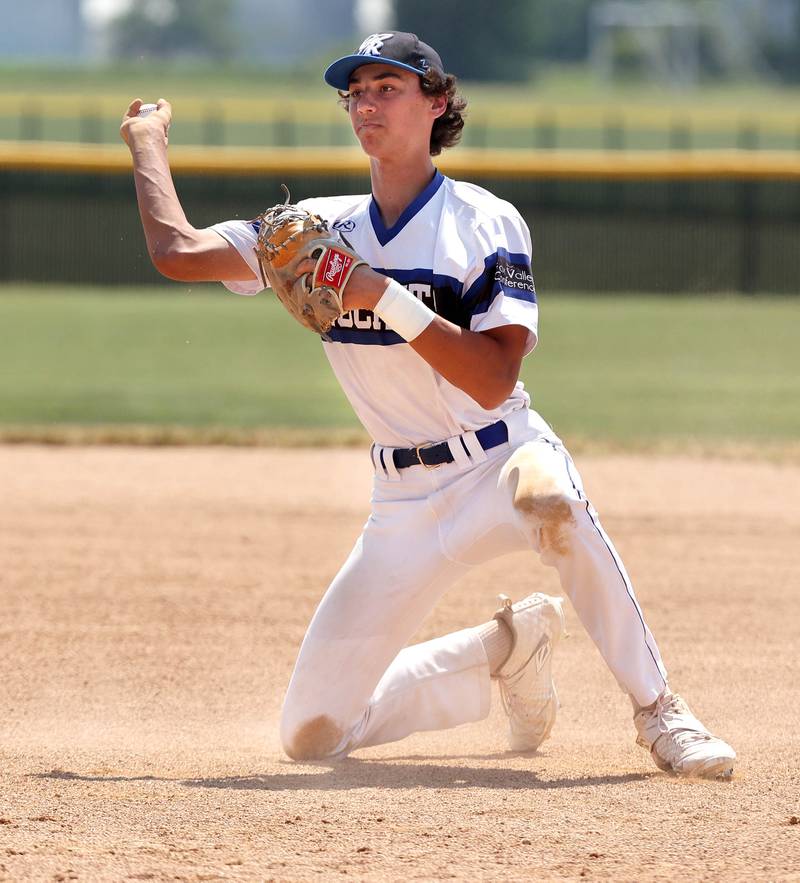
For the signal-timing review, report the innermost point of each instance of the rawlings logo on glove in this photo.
(333, 269)
(289, 235)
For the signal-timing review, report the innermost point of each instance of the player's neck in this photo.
(395, 185)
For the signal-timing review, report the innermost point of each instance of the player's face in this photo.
(389, 111)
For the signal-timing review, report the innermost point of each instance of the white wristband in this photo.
(403, 312)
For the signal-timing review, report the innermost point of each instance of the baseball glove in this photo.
(289, 235)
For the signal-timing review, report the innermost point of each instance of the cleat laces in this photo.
(678, 741)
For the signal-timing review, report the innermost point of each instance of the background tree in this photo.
(782, 45)
(475, 42)
(200, 28)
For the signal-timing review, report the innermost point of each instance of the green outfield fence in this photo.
(310, 122)
(649, 221)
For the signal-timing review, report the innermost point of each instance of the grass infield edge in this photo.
(146, 435)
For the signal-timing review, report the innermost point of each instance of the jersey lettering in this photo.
(514, 275)
(366, 320)
(425, 292)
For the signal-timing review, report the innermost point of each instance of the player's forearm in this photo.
(483, 365)
(476, 363)
(165, 225)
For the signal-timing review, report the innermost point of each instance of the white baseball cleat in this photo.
(526, 679)
(679, 743)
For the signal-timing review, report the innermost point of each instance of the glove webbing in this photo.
(278, 217)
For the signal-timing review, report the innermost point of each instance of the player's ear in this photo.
(438, 105)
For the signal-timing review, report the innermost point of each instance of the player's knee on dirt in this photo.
(316, 739)
(540, 497)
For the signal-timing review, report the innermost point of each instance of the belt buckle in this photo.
(419, 448)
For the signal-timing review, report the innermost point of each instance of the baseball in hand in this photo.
(146, 109)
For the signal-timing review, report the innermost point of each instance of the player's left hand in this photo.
(306, 264)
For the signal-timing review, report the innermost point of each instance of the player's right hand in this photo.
(134, 126)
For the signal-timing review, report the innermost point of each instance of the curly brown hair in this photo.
(446, 131)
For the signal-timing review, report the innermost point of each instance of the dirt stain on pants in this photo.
(316, 739)
(540, 499)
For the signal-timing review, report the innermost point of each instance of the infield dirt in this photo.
(153, 601)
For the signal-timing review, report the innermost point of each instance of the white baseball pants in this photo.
(354, 685)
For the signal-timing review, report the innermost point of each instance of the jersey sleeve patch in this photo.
(504, 272)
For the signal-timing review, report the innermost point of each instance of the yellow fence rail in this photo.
(519, 114)
(464, 162)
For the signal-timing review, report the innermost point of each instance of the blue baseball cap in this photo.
(406, 51)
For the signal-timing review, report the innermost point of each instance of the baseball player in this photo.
(436, 310)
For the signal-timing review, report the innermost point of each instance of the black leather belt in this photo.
(431, 456)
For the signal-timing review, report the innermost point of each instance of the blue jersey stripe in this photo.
(364, 336)
(504, 272)
(419, 274)
(497, 288)
(444, 298)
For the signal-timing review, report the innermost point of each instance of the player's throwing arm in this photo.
(178, 250)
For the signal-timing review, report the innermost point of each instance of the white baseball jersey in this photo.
(467, 255)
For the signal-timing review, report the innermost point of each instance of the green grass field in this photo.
(624, 371)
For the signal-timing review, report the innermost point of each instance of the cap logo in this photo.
(373, 44)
